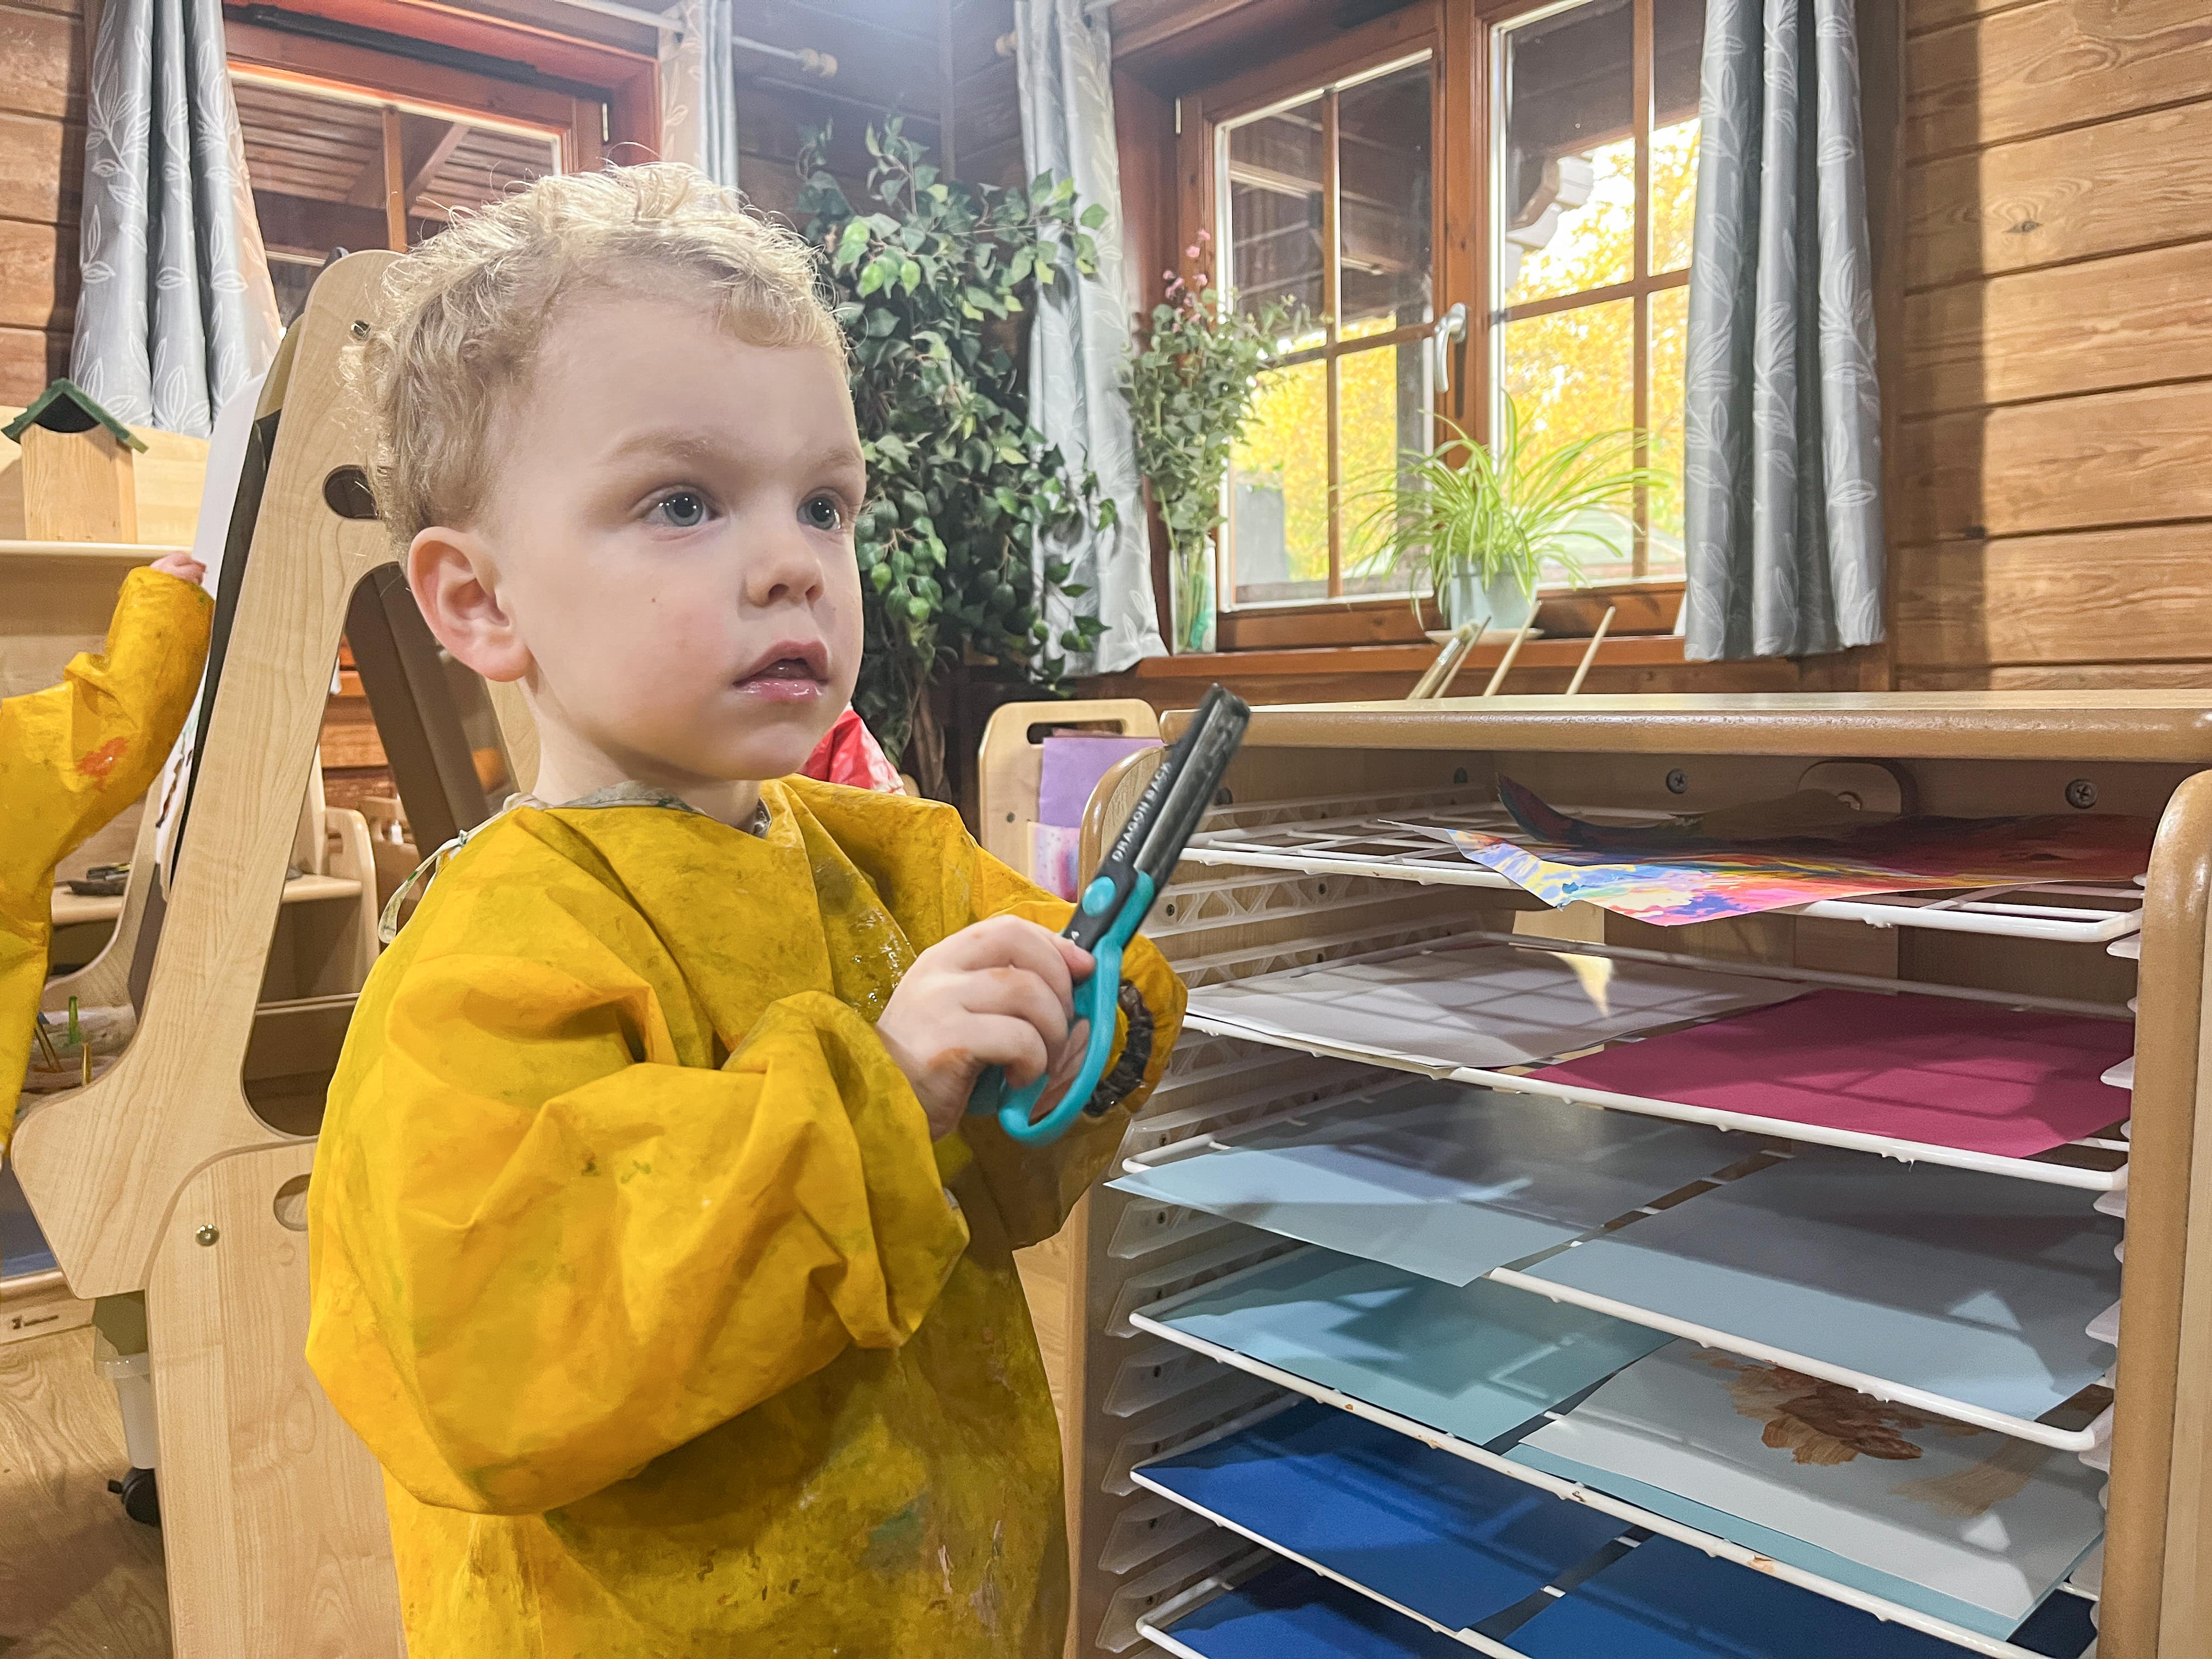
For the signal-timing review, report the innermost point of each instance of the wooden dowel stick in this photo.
(1505, 663)
(1589, 656)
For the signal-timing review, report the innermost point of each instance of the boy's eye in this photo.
(682, 511)
(823, 512)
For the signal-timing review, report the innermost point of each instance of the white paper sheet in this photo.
(1478, 1005)
(1442, 1179)
(1968, 1514)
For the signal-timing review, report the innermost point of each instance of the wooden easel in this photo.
(182, 1171)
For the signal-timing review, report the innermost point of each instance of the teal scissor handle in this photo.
(1097, 999)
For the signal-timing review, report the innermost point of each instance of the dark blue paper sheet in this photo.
(1287, 1613)
(24, 1248)
(1474, 1361)
(1450, 1539)
(1665, 1600)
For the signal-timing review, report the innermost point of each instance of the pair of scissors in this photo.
(1114, 904)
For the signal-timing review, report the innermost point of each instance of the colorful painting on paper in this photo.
(1670, 874)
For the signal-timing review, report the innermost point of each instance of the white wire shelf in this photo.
(2093, 1164)
(1394, 846)
(1709, 1543)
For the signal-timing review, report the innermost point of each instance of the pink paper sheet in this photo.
(1930, 1069)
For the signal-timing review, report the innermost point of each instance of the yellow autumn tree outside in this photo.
(1570, 371)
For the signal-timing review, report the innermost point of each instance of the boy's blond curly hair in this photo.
(463, 314)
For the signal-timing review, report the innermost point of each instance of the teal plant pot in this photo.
(1500, 604)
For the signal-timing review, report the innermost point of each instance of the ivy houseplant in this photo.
(930, 282)
(1474, 525)
(1192, 388)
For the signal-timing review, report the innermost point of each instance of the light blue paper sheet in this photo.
(1964, 1524)
(1474, 1362)
(1975, 1288)
(1441, 1179)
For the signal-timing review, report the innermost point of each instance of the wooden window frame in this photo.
(1463, 38)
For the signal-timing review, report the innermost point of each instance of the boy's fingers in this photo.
(1011, 1044)
(1021, 995)
(1013, 942)
(1077, 959)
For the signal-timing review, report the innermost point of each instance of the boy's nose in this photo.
(784, 567)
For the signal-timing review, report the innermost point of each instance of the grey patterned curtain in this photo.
(1079, 346)
(699, 89)
(176, 312)
(1784, 470)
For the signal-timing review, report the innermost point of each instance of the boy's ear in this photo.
(456, 583)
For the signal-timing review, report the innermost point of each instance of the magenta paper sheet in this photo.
(1930, 1069)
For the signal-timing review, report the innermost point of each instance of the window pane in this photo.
(1384, 174)
(1571, 374)
(1382, 404)
(1678, 42)
(1568, 204)
(1279, 491)
(1670, 336)
(1275, 219)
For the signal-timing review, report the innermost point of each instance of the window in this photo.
(1462, 201)
(1593, 150)
(1326, 212)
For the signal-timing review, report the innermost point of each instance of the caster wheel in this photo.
(141, 1497)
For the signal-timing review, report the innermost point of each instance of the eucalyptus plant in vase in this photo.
(1192, 389)
(1474, 525)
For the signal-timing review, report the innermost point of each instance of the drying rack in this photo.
(1319, 854)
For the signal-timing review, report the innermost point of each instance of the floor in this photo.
(78, 1577)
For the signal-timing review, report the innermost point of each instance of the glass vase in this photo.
(1191, 602)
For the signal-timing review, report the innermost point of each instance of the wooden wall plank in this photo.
(41, 168)
(2095, 327)
(44, 55)
(2055, 63)
(37, 275)
(29, 358)
(1921, 16)
(2138, 456)
(2107, 596)
(2131, 183)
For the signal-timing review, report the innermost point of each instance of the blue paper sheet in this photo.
(1976, 1288)
(1441, 1179)
(1452, 1541)
(1474, 1362)
(1287, 1613)
(1665, 1600)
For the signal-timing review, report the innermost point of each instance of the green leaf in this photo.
(852, 243)
(1093, 216)
(909, 275)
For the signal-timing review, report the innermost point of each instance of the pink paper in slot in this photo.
(1930, 1069)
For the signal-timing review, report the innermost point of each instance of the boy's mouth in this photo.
(791, 671)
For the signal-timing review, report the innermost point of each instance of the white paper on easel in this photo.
(1967, 1514)
(1477, 1005)
(211, 536)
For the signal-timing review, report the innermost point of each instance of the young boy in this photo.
(74, 755)
(652, 1252)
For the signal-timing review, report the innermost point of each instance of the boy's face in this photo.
(665, 554)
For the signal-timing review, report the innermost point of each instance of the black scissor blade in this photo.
(1202, 759)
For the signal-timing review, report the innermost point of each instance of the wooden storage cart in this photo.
(1297, 866)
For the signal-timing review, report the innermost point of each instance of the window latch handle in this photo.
(1451, 327)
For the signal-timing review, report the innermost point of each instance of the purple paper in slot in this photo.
(1073, 763)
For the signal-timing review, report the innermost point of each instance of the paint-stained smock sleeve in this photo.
(71, 757)
(543, 1253)
(1036, 1187)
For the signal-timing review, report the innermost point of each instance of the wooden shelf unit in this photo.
(1971, 754)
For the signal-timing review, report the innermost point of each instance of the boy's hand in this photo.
(1001, 993)
(182, 565)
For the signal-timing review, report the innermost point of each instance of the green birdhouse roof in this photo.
(65, 407)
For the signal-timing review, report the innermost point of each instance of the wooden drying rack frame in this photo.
(2144, 752)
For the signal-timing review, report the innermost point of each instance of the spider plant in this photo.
(1481, 512)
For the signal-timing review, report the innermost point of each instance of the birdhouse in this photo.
(78, 469)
